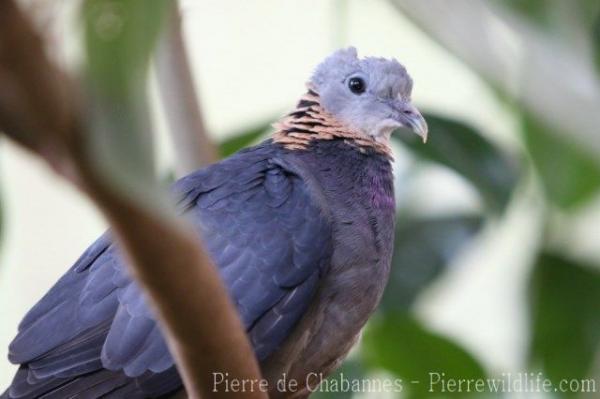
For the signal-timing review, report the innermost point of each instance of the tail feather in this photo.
(92, 385)
(99, 383)
(22, 388)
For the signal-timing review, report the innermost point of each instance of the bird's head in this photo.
(371, 95)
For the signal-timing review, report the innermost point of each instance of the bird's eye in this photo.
(357, 85)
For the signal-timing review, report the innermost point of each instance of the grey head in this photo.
(371, 95)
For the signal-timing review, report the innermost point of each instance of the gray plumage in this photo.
(300, 227)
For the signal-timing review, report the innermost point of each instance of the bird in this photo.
(300, 227)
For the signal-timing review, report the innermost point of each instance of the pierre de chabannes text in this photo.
(520, 382)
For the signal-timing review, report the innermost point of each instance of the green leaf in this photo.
(535, 10)
(544, 50)
(422, 250)
(461, 148)
(242, 139)
(120, 36)
(551, 15)
(565, 309)
(400, 344)
(570, 175)
(596, 41)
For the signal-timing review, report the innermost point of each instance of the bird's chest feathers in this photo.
(356, 188)
(365, 220)
(359, 190)
(364, 193)
(380, 193)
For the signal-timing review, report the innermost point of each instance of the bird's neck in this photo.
(309, 122)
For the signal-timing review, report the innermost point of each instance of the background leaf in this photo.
(565, 307)
(569, 105)
(461, 148)
(570, 175)
(535, 10)
(596, 41)
(551, 15)
(422, 250)
(400, 344)
(120, 36)
(242, 139)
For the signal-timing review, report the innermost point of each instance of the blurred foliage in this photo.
(422, 250)
(570, 178)
(537, 10)
(549, 13)
(573, 177)
(119, 37)
(565, 308)
(462, 149)
(564, 295)
(596, 40)
(401, 345)
(242, 139)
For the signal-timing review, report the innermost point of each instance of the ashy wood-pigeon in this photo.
(301, 230)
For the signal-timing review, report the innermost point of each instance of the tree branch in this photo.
(39, 109)
(188, 131)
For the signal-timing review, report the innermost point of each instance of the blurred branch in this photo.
(553, 81)
(193, 146)
(40, 109)
(33, 98)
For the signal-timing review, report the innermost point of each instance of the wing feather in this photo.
(263, 228)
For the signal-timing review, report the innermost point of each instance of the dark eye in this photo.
(357, 85)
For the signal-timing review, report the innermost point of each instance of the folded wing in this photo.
(270, 239)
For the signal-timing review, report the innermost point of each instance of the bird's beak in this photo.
(411, 118)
